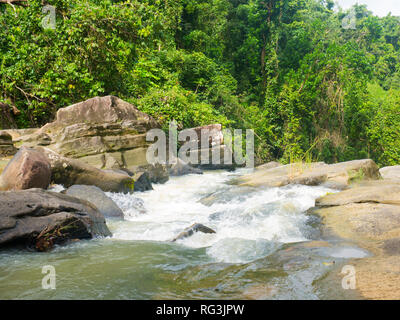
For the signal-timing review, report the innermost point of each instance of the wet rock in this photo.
(28, 169)
(68, 172)
(158, 173)
(98, 198)
(41, 218)
(197, 227)
(142, 181)
(180, 168)
(339, 175)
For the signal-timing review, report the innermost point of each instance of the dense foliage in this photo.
(293, 70)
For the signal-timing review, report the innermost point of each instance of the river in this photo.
(262, 249)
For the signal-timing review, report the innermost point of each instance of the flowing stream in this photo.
(260, 249)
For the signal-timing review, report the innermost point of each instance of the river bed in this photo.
(265, 247)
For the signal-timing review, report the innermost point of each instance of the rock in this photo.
(364, 223)
(98, 198)
(105, 132)
(41, 218)
(209, 154)
(213, 134)
(370, 211)
(158, 173)
(16, 134)
(390, 173)
(372, 192)
(269, 165)
(181, 168)
(142, 181)
(197, 227)
(3, 164)
(338, 176)
(28, 169)
(34, 139)
(6, 145)
(368, 214)
(212, 158)
(68, 172)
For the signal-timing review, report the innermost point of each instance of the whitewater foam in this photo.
(248, 223)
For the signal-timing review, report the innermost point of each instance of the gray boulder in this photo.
(98, 198)
(41, 219)
(142, 181)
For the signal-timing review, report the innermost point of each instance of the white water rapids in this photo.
(257, 252)
(249, 222)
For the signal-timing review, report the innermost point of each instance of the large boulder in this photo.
(68, 172)
(6, 145)
(367, 214)
(339, 175)
(40, 219)
(390, 173)
(208, 149)
(212, 133)
(98, 198)
(28, 169)
(105, 132)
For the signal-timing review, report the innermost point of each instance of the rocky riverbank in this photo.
(95, 146)
(99, 146)
(365, 211)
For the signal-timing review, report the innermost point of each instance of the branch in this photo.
(15, 2)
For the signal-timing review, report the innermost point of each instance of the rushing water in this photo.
(259, 249)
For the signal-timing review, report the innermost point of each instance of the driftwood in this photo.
(197, 227)
(22, 3)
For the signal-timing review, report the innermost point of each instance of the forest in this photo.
(312, 86)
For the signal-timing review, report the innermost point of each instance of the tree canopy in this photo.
(292, 70)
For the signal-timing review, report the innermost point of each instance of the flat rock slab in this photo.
(42, 218)
(380, 191)
(68, 172)
(98, 198)
(390, 173)
(368, 214)
(338, 176)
